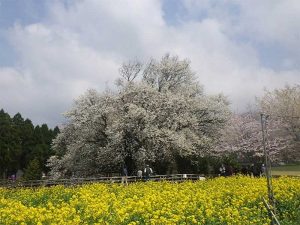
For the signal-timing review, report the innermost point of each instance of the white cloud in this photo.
(81, 46)
(265, 23)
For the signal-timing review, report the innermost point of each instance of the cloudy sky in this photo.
(51, 51)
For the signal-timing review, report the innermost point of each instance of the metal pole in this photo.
(268, 166)
(271, 212)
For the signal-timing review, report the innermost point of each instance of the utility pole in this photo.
(264, 119)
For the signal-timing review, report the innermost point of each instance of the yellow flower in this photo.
(223, 200)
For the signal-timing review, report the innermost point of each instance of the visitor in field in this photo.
(124, 174)
(229, 170)
(256, 170)
(139, 174)
(147, 171)
(263, 170)
(222, 170)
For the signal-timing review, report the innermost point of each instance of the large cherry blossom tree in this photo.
(159, 112)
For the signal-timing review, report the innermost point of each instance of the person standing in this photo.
(229, 170)
(139, 174)
(147, 171)
(256, 170)
(263, 170)
(222, 170)
(124, 174)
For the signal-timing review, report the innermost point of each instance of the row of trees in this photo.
(24, 146)
(160, 115)
(242, 135)
(242, 140)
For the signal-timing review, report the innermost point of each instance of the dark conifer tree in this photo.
(23, 146)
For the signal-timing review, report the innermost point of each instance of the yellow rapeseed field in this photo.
(234, 200)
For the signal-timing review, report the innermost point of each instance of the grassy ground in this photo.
(291, 170)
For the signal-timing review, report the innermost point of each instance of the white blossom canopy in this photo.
(158, 113)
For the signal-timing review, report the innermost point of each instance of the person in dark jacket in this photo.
(256, 170)
(124, 174)
(147, 171)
